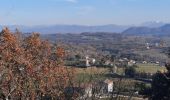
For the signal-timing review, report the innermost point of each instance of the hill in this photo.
(163, 30)
(51, 29)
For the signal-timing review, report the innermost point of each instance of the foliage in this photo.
(130, 71)
(143, 88)
(161, 85)
(31, 68)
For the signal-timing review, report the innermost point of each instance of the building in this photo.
(131, 62)
(109, 85)
(144, 62)
(104, 87)
(115, 69)
(93, 61)
(147, 45)
(87, 61)
(87, 90)
(84, 91)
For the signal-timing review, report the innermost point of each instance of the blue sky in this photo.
(83, 12)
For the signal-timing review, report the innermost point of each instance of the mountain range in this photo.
(163, 30)
(51, 29)
(152, 24)
(153, 27)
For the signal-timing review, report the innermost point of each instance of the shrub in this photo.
(130, 71)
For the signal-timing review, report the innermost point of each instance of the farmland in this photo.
(100, 73)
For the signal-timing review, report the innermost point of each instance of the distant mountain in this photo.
(138, 30)
(153, 27)
(163, 30)
(13, 27)
(69, 28)
(153, 24)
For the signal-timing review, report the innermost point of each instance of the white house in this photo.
(109, 85)
(93, 60)
(115, 69)
(131, 62)
(103, 87)
(144, 62)
(88, 90)
(87, 61)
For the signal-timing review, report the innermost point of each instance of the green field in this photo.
(93, 73)
(149, 68)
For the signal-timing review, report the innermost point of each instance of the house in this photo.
(121, 60)
(125, 59)
(115, 69)
(144, 62)
(107, 62)
(156, 44)
(87, 61)
(88, 90)
(109, 85)
(157, 62)
(93, 61)
(84, 90)
(90, 61)
(104, 87)
(147, 45)
(131, 62)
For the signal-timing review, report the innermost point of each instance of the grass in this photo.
(92, 70)
(93, 73)
(85, 77)
(90, 74)
(149, 68)
(125, 98)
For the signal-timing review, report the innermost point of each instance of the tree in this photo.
(77, 57)
(130, 71)
(161, 85)
(31, 68)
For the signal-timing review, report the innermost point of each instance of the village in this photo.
(105, 88)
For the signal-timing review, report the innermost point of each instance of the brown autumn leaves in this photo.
(31, 68)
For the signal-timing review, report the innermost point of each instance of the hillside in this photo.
(102, 44)
(163, 30)
(50, 29)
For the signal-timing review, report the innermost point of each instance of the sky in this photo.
(83, 12)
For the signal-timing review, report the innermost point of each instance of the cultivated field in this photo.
(92, 73)
(149, 68)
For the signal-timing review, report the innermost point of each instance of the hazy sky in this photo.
(85, 12)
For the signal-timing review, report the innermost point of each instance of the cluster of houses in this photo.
(133, 62)
(88, 90)
(127, 61)
(90, 62)
(154, 45)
